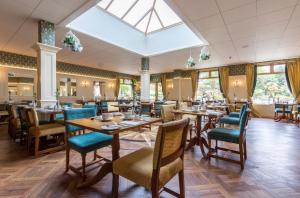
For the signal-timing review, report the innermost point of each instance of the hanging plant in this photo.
(204, 54)
(191, 62)
(72, 42)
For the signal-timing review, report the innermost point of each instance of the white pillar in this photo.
(145, 85)
(46, 72)
(145, 79)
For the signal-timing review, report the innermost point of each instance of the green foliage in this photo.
(209, 89)
(271, 86)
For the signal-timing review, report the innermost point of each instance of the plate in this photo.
(110, 127)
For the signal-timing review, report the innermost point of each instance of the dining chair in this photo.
(37, 131)
(103, 106)
(83, 143)
(236, 136)
(152, 168)
(237, 114)
(279, 110)
(146, 109)
(233, 120)
(167, 115)
(157, 105)
(14, 124)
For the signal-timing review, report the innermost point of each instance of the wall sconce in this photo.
(85, 83)
(111, 85)
(25, 88)
(236, 83)
(170, 86)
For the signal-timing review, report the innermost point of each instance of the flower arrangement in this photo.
(71, 41)
(190, 62)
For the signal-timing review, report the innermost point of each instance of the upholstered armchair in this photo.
(37, 131)
(236, 136)
(146, 109)
(152, 168)
(233, 120)
(84, 143)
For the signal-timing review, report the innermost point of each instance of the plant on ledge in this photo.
(72, 42)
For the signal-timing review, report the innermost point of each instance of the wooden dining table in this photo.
(96, 125)
(200, 138)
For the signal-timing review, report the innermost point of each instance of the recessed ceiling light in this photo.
(245, 46)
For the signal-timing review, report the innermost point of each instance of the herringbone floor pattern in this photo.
(272, 169)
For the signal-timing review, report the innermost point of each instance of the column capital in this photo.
(41, 46)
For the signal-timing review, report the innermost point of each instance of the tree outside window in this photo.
(271, 85)
(209, 86)
(126, 88)
(156, 91)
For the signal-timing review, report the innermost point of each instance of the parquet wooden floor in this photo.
(272, 169)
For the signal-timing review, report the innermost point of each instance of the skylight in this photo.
(144, 15)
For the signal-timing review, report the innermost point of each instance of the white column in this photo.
(46, 72)
(145, 85)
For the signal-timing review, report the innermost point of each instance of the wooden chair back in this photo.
(170, 142)
(167, 114)
(32, 117)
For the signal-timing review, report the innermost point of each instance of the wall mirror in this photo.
(67, 87)
(20, 86)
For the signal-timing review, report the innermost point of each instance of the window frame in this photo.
(122, 82)
(209, 74)
(271, 69)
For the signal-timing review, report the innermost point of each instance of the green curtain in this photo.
(293, 73)
(117, 87)
(224, 81)
(164, 85)
(194, 79)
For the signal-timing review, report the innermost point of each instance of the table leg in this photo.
(107, 167)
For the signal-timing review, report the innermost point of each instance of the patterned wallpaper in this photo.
(46, 32)
(236, 70)
(145, 64)
(11, 59)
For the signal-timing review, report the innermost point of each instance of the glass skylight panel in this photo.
(120, 7)
(154, 23)
(104, 3)
(138, 11)
(167, 16)
(143, 24)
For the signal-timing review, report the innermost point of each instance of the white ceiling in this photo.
(238, 31)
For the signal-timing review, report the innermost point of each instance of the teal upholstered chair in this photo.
(236, 136)
(233, 120)
(84, 143)
(146, 109)
(61, 116)
(237, 114)
(157, 106)
(89, 106)
(279, 109)
(103, 106)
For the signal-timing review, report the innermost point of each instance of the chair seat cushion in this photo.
(230, 120)
(89, 141)
(138, 167)
(48, 129)
(224, 134)
(280, 110)
(59, 116)
(234, 114)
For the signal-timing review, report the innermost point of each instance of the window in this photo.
(156, 91)
(208, 86)
(145, 15)
(271, 85)
(126, 88)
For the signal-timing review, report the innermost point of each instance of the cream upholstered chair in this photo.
(37, 131)
(153, 168)
(167, 114)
